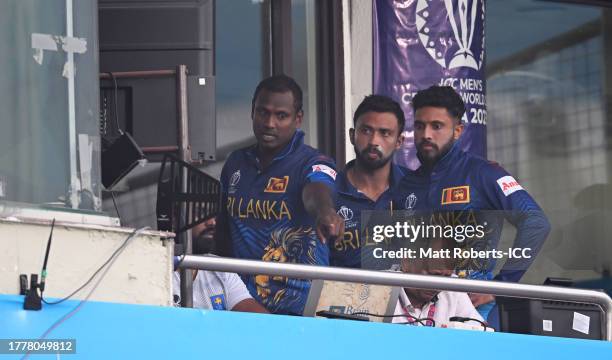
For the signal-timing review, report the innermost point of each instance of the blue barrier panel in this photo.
(122, 331)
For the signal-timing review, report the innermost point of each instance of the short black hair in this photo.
(440, 96)
(380, 104)
(280, 84)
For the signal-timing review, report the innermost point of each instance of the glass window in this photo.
(303, 42)
(548, 124)
(49, 142)
(239, 67)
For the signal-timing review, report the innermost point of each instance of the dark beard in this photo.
(369, 164)
(430, 162)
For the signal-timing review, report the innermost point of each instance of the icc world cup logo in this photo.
(235, 178)
(410, 201)
(461, 47)
(346, 213)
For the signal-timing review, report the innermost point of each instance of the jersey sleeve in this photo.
(504, 192)
(234, 288)
(321, 169)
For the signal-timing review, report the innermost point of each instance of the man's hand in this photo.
(481, 299)
(250, 305)
(317, 198)
(329, 225)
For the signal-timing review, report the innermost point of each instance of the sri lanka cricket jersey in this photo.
(346, 251)
(462, 182)
(267, 219)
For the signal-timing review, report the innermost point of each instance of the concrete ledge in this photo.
(142, 273)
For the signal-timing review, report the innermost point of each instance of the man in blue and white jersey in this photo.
(369, 182)
(278, 198)
(451, 180)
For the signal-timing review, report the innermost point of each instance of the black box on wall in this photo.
(159, 35)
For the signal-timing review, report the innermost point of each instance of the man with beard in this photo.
(451, 180)
(368, 182)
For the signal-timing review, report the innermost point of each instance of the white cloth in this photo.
(226, 289)
(449, 304)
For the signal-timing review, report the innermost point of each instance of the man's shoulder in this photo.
(458, 304)
(455, 299)
(213, 279)
(472, 160)
(239, 154)
(452, 296)
(234, 162)
(410, 177)
(402, 170)
(482, 166)
(309, 153)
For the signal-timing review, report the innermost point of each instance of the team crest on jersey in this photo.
(277, 185)
(218, 302)
(456, 195)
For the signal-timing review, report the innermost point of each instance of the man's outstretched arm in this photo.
(318, 202)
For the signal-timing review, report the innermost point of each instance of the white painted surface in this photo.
(36, 214)
(348, 75)
(142, 274)
(358, 60)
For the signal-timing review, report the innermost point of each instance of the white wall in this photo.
(358, 59)
(140, 275)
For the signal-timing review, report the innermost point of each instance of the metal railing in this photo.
(405, 280)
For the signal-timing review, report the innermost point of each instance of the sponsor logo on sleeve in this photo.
(277, 185)
(456, 195)
(324, 169)
(508, 185)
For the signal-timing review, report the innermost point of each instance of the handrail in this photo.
(389, 278)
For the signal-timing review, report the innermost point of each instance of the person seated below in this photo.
(420, 306)
(216, 290)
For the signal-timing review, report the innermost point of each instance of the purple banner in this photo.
(419, 43)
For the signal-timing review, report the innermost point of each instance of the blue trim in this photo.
(320, 177)
(296, 141)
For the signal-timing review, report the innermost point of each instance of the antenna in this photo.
(43, 273)
(33, 301)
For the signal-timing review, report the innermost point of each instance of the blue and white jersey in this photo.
(350, 202)
(461, 182)
(267, 219)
